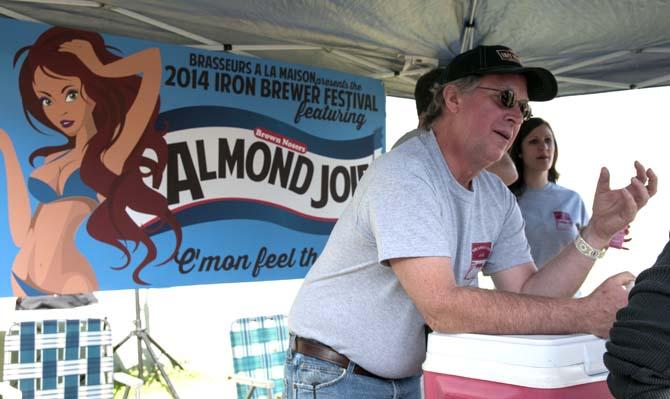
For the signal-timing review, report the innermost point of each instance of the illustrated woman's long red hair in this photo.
(109, 222)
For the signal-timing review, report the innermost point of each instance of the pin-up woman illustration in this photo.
(106, 107)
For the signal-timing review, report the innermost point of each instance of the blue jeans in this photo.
(306, 377)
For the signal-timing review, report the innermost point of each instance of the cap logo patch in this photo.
(508, 55)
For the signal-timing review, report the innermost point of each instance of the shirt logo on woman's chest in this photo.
(563, 220)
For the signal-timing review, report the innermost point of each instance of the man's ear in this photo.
(452, 98)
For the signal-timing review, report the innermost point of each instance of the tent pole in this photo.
(163, 25)
(592, 61)
(74, 3)
(369, 64)
(591, 82)
(469, 29)
(656, 50)
(16, 15)
(652, 82)
(410, 72)
(255, 47)
(360, 61)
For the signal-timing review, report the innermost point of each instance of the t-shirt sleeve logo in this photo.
(563, 220)
(480, 254)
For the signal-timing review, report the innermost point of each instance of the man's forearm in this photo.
(474, 310)
(564, 274)
(560, 277)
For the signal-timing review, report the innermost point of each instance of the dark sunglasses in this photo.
(507, 98)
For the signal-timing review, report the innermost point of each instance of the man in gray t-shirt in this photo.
(425, 219)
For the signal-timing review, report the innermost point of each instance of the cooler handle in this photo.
(593, 357)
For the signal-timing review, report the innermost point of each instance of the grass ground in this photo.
(188, 384)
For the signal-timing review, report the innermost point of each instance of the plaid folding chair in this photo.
(61, 358)
(259, 348)
(6, 390)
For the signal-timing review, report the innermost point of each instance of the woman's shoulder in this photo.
(491, 180)
(565, 190)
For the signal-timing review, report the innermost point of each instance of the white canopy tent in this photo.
(590, 45)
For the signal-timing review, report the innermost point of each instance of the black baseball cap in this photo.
(488, 60)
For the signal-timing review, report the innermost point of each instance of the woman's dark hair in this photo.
(113, 97)
(519, 186)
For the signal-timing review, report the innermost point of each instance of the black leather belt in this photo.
(323, 352)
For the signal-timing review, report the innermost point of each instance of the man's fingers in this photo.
(652, 183)
(639, 192)
(637, 187)
(647, 177)
(622, 278)
(603, 185)
(639, 172)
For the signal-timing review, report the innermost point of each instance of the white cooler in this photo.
(473, 366)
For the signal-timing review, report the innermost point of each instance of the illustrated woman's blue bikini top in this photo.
(74, 187)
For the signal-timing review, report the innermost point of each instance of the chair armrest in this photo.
(128, 380)
(254, 382)
(9, 392)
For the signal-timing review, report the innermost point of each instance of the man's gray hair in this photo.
(436, 107)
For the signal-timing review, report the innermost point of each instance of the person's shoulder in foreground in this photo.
(638, 353)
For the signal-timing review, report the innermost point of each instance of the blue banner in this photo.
(131, 164)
